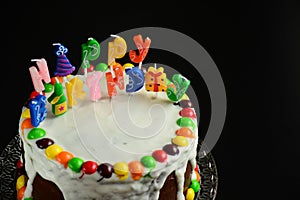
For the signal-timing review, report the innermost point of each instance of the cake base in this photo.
(47, 190)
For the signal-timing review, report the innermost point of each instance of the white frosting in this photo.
(123, 128)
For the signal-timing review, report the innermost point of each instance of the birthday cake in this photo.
(112, 131)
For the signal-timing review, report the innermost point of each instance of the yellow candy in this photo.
(190, 194)
(180, 141)
(26, 113)
(20, 182)
(52, 151)
(121, 170)
(127, 66)
(184, 97)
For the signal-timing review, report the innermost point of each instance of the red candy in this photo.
(187, 112)
(88, 167)
(160, 155)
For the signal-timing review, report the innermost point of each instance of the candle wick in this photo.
(114, 36)
(90, 38)
(54, 44)
(155, 65)
(33, 60)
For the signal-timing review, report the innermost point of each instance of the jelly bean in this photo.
(136, 169)
(186, 121)
(190, 194)
(187, 112)
(44, 143)
(148, 161)
(26, 123)
(21, 192)
(195, 185)
(101, 67)
(184, 104)
(20, 164)
(160, 155)
(180, 141)
(20, 182)
(88, 167)
(186, 132)
(105, 170)
(26, 113)
(52, 151)
(75, 164)
(121, 170)
(171, 149)
(48, 87)
(36, 133)
(64, 157)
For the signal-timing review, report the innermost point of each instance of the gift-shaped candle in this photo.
(155, 80)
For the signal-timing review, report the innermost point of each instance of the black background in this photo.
(256, 47)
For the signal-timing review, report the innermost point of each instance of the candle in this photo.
(74, 90)
(116, 80)
(181, 85)
(63, 65)
(116, 49)
(38, 110)
(92, 81)
(58, 100)
(136, 79)
(142, 47)
(155, 80)
(90, 52)
(37, 77)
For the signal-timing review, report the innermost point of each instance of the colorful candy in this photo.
(187, 112)
(36, 133)
(64, 157)
(148, 162)
(160, 155)
(26, 123)
(21, 181)
(186, 132)
(195, 185)
(105, 170)
(21, 192)
(190, 194)
(75, 164)
(171, 149)
(180, 141)
(121, 170)
(136, 169)
(44, 143)
(186, 122)
(88, 167)
(52, 151)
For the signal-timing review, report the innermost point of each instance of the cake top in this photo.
(103, 93)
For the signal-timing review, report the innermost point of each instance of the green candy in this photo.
(148, 161)
(181, 85)
(75, 164)
(195, 185)
(29, 198)
(48, 87)
(36, 133)
(186, 122)
(101, 67)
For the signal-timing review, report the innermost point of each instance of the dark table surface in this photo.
(256, 47)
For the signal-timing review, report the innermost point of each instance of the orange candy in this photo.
(136, 169)
(21, 192)
(64, 157)
(186, 132)
(26, 124)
